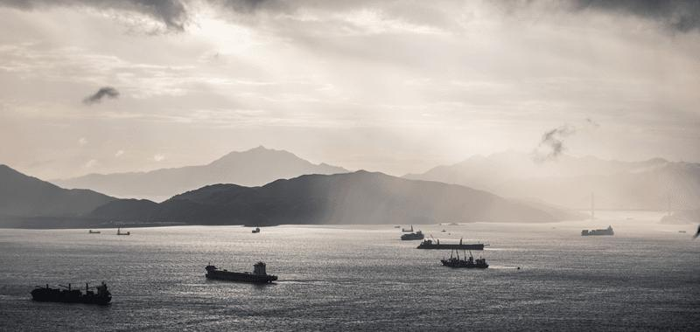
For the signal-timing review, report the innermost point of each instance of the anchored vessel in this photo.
(465, 262)
(119, 232)
(69, 295)
(413, 236)
(93, 232)
(607, 231)
(259, 274)
(256, 230)
(430, 244)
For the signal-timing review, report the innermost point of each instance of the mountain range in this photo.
(351, 198)
(570, 181)
(348, 198)
(254, 167)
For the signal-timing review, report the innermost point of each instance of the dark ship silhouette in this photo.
(119, 232)
(413, 236)
(409, 230)
(430, 244)
(259, 274)
(69, 295)
(607, 231)
(256, 230)
(465, 262)
(94, 232)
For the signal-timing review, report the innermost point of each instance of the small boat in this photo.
(93, 232)
(256, 230)
(119, 232)
(397, 226)
(413, 236)
(607, 231)
(259, 274)
(70, 295)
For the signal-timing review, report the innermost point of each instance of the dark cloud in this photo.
(552, 143)
(679, 15)
(172, 13)
(107, 91)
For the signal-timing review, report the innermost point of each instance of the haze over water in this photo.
(334, 278)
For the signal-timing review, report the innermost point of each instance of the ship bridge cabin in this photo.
(259, 269)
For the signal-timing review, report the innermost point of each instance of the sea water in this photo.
(339, 278)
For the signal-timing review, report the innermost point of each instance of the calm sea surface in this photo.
(338, 278)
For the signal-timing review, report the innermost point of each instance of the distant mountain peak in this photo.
(253, 167)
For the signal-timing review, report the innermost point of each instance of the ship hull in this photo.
(476, 246)
(241, 277)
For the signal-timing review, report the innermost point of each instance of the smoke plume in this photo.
(104, 92)
(552, 143)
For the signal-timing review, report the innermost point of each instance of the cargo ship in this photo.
(407, 230)
(430, 244)
(70, 295)
(607, 231)
(119, 232)
(413, 236)
(467, 263)
(259, 274)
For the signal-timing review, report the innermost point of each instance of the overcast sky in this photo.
(108, 85)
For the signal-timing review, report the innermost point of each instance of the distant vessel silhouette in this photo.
(69, 295)
(465, 262)
(430, 244)
(119, 232)
(413, 236)
(259, 274)
(93, 232)
(410, 230)
(256, 230)
(607, 231)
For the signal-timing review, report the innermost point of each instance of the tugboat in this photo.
(430, 244)
(119, 232)
(607, 231)
(413, 236)
(259, 274)
(256, 230)
(467, 263)
(69, 295)
(93, 232)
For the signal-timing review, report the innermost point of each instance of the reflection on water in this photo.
(360, 277)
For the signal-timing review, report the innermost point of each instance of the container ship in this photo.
(70, 295)
(259, 274)
(430, 244)
(465, 262)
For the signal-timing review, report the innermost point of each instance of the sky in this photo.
(107, 86)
